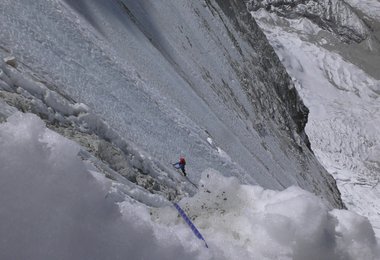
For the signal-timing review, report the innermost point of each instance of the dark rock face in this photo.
(331, 15)
(275, 82)
(276, 76)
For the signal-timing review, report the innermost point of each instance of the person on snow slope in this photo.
(181, 165)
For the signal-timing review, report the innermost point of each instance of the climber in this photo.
(181, 165)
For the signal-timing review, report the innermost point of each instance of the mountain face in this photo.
(288, 95)
(166, 86)
(335, 16)
(337, 74)
(137, 88)
(134, 84)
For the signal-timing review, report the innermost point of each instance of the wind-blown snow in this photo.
(54, 207)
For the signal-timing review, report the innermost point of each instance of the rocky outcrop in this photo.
(331, 15)
(275, 76)
(277, 83)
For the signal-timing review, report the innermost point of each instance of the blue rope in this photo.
(188, 221)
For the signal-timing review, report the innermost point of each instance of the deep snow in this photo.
(56, 206)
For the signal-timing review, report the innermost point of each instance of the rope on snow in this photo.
(188, 221)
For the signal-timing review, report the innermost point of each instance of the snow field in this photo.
(56, 206)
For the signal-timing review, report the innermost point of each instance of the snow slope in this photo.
(57, 206)
(344, 105)
(135, 84)
(163, 85)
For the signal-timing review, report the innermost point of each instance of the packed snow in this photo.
(56, 206)
(344, 108)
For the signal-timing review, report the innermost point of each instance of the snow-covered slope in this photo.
(57, 206)
(166, 84)
(342, 92)
(136, 84)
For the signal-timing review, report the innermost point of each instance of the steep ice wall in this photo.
(181, 77)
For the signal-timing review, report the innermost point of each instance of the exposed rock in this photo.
(331, 15)
(10, 60)
(277, 77)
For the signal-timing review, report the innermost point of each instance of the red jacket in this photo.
(182, 161)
